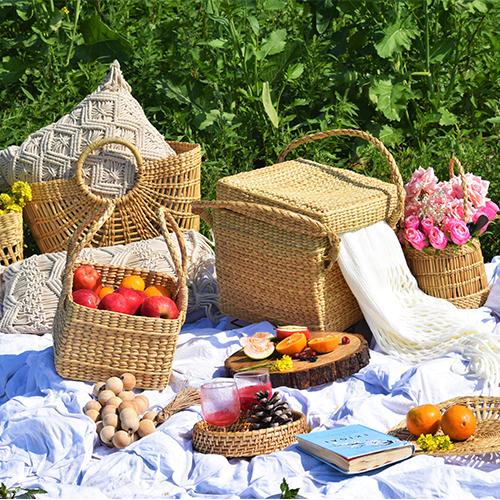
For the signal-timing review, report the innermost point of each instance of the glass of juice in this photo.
(250, 383)
(220, 403)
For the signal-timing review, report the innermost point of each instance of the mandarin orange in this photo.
(458, 422)
(424, 419)
(134, 282)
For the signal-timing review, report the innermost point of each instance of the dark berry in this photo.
(346, 340)
(296, 355)
(312, 359)
(312, 353)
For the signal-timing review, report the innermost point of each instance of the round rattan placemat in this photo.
(486, 439)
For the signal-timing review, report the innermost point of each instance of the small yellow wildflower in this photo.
(65, 10)
(283, 364)
(434, 443)
(5, 200)
(14, 207)
(21, 192)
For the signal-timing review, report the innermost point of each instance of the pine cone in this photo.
(269, 411)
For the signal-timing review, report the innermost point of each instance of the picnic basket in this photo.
(58, 206)
(11, 238)
(92, 344)
(277, 236)
(456, 273)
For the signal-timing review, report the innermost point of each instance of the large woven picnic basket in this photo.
(92, 344)
(59, 206)
(11, 238)
(456, 273)
(277, 232)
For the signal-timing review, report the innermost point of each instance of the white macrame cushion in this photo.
(52, 152)
(31, 287)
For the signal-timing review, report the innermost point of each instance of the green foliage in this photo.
(6, 492)
(245, 77)
(286, 492)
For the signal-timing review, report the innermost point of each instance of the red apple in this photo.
(159, 307)
(86, 276)
(135, 298)
(86, 298)
(115, 302)
(282, 332)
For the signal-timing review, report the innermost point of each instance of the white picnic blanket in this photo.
(47, 442)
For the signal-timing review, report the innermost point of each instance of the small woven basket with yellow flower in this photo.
(11, 222)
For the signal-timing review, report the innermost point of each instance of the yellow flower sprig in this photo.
(15, 200)
(428, 442)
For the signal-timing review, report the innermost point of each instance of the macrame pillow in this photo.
(110, 111)
(31, 288)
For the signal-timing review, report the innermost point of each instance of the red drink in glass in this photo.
(220, 403)
(222, 417)
(249, 384)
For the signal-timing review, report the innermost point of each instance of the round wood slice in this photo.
(342, 362)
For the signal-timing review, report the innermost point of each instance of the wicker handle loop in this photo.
(455, 161)
(292, 221)
(397, 180)
(97, 145)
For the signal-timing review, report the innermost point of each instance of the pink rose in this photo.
(455, 210)
(459, 233)
(477, 190)
(427, 224)
(422, 180)
(491, 209)
(437, 238)
(412, 221)
(412, 207)
(416, 238)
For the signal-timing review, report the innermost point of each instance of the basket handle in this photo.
(455, 161)
(292, 221)
(396, 178)
(80, 181)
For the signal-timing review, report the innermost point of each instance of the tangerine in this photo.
(292, 345)
(134, 282)
(458, 422)
(324, 344)
(424, 419)
(105, 290)
(156, 291)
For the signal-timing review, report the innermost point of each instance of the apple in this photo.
(135, 298)
(159, 307)
(282, 332)
(87, 277)
(86, 298)
(115, 302)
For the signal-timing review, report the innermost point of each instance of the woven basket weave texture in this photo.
(59, 206)
(93, 344)
(11, 238)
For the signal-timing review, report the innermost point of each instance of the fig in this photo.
(146, 427)
(128, 380)
(121, 439)
(114, 384)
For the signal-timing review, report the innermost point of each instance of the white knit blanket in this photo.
(404, 320)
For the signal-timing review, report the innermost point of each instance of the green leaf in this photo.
(396, 38)
(447, 117)
(274, 4)
(268, 105)
(390, 136)
(254, 24)
(295, 71)
(286, 492)
(389, 98)
(217, 43)
(273, 45)
(94, 30)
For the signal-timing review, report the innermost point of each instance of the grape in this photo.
(345, 340)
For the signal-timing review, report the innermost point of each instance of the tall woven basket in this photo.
(456, 273)
(11, 238)
(59, 206)
(277, 236)
(93, 344)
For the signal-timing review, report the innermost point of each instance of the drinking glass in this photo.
(220, 403)
(249, 384)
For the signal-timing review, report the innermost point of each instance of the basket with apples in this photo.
(112, 319)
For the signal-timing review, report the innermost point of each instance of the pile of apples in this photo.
(132, 297)
(121, 417)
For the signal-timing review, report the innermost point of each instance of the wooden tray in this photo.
(342, 362)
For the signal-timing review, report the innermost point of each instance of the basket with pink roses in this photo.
(439, 237)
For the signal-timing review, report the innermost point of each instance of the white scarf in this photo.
(404, 320)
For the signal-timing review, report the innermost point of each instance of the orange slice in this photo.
(292, 345)
(324, 344)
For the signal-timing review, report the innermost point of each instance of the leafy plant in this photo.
(6, 492)
(286, 492)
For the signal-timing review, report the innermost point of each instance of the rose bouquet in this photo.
(438, 214)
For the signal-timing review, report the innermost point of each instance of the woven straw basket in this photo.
(276, 231)
(11, 238)
(235, 441)
(456, 273)
(486, 438)
(59, 206)
(93, 344)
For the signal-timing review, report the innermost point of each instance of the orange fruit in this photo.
(156, 291)
(458, 422)
(105, 290)
(324, 344)
(134, 282)
(292, 345)
(424, 419)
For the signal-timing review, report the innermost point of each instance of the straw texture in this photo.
(92, 344)
(11, 238)
(235, 441)
(59, 206)
(276, 232)
(486, 439)
(456, 273)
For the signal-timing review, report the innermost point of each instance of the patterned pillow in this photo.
(31, 287)
(52, 152)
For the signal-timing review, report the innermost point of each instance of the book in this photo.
(355, 448)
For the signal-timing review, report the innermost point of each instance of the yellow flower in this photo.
(2, 212)
(14, 207)
(22, 192)
(5, 200)
(283, 364)
(65, 10)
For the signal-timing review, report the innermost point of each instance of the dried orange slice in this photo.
(292, 345)
(324, 344)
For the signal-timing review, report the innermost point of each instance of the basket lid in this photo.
(341, 199)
